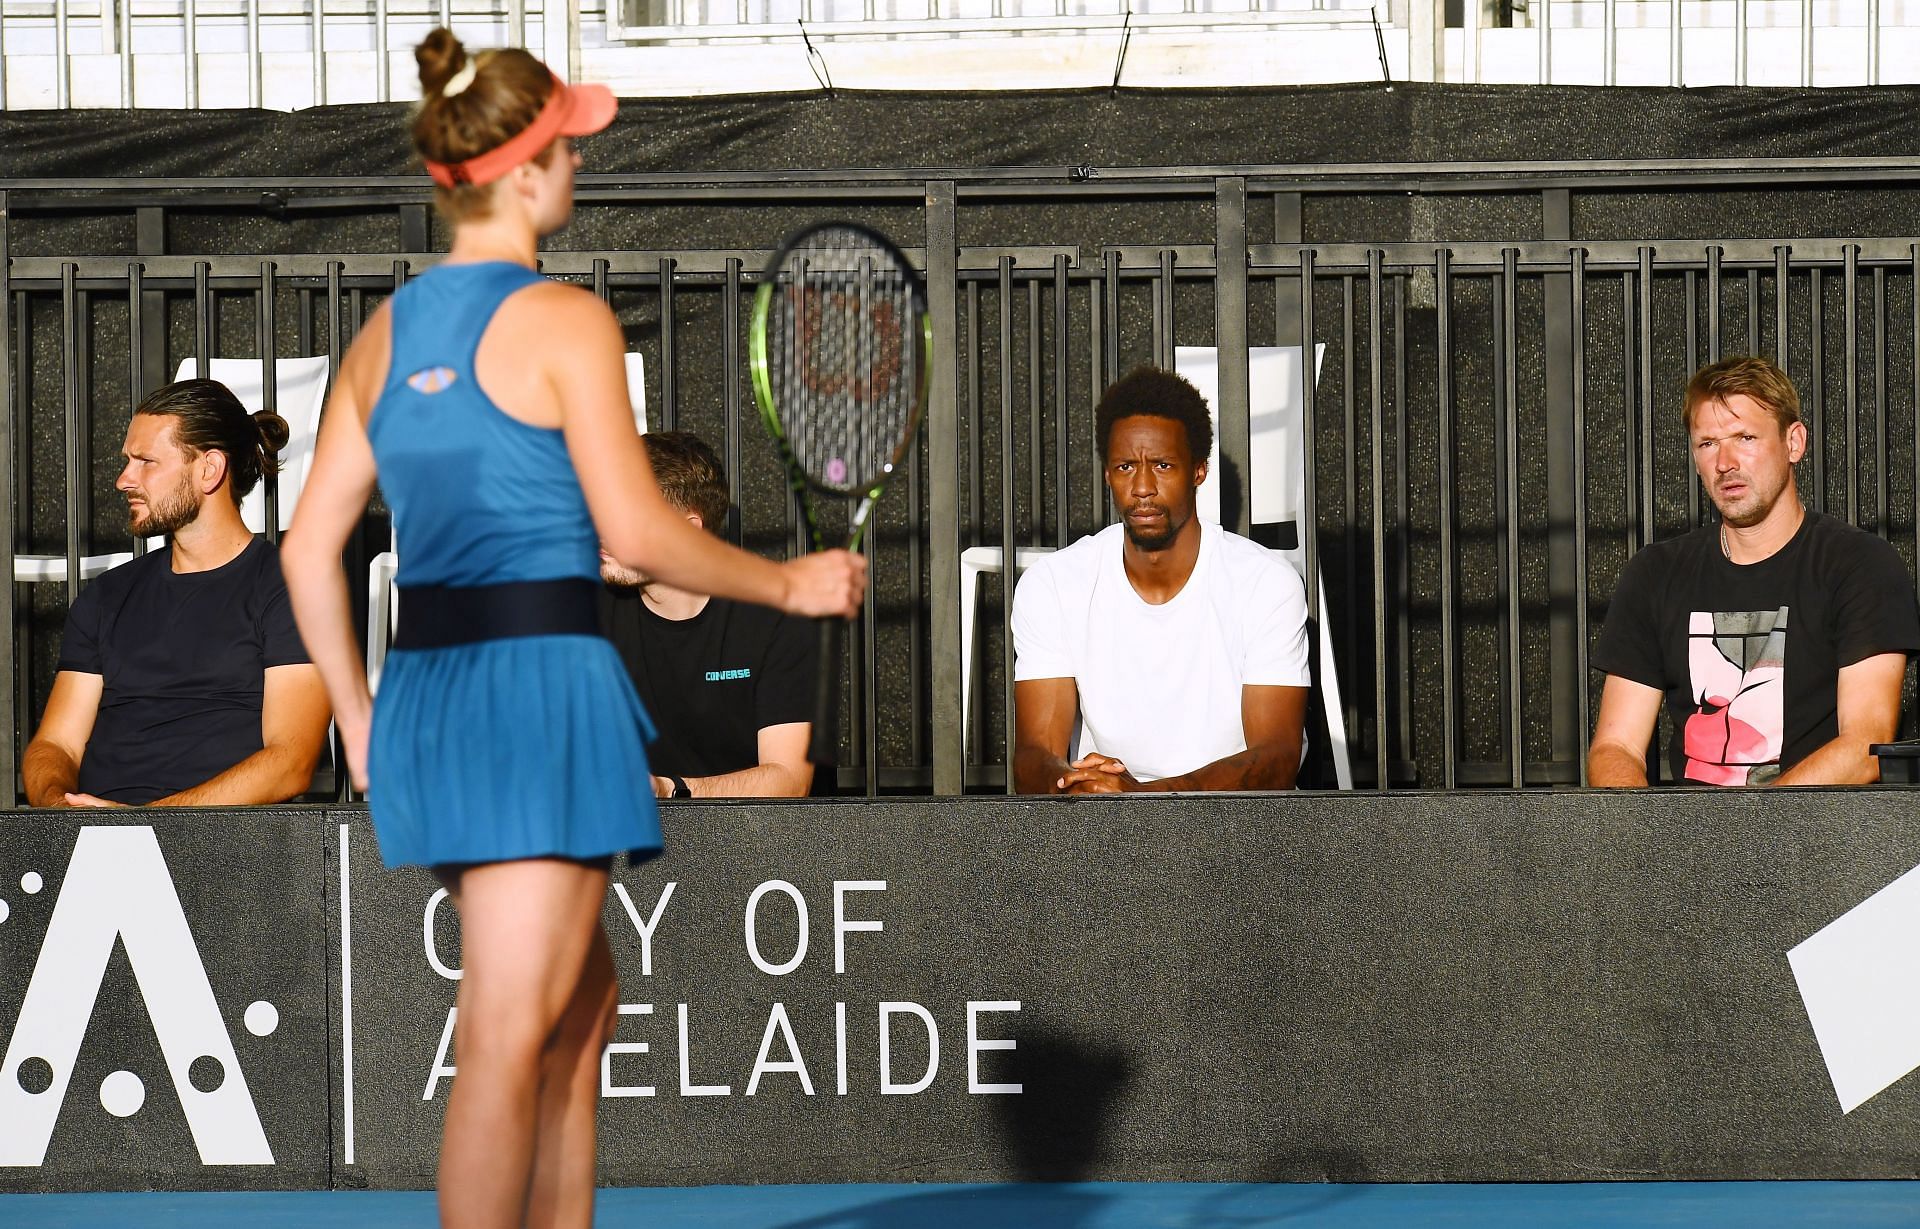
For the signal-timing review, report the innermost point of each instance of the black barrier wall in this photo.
(1501, 986)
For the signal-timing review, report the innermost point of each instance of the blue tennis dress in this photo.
(520, 747)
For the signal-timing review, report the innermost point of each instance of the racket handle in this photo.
(824, 746)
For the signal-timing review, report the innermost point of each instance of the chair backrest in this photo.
(301, 391)
(1275, 447)
(637, 389)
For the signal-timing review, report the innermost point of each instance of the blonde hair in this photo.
(1746, 375)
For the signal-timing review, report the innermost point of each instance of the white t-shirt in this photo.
(1160, 685)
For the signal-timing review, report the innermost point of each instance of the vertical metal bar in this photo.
(3, 68)
(1676, 66)
(1610, 37)
(1349, 489)
(1739, 41)
(1567, 737)
(1443, 380)
(62, 56)
(1579, 404)
(382, 62)
(1815, 403)
(1004, 295)
(1693, 365)
(1470, 41)
(1376, 428)
(303, 330)
(1873, 42)
(602, 266)
(1112, 258)
(1403, 521)
(1062, 463)
(1913, 277)
(729, 392)
(1646, 393)
(669, 367)
(1629, 417)
(1882, 522)
(1753, 311)
(336, 344)
(75, 444)
(1230, 341)
(868, 675)
(11, 667)
(1780, 254)
(943, 464)
(269, 384)
(1806, 43)
(1850, 339)
(1163, 334)
(1714, 254)
(203, 339)
(1036, 494)
(517, 23)
(193, 54)
(1309, 443)
(1096, 381)
(446, 13)
(976, 449)
(255, 83)
(1510, 483)
(319, 40)
(917, 697)
(126, 56)
(1545, 20)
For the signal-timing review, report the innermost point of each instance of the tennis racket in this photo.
(840, 349)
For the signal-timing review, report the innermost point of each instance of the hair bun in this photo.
(440, 55)
(274, 432)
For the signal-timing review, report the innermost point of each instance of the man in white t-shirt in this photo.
(1179, 648)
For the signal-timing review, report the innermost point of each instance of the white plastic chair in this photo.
(383, 598)
(301, 389)
(1278, 484)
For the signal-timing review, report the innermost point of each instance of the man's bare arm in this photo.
(1867, 700)
(1044, 712)
(1272, 718)
(293, 728)
(783, 770)
(51, 765)
(1629, 711)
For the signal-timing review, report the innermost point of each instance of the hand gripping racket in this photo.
(840, 348)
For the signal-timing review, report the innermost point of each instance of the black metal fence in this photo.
(1493, 429)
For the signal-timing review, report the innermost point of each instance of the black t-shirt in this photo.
(1749, 654)
(182, 661)
(713, 682)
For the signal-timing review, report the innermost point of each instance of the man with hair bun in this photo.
(1179, 649)
(182, 679)
(1777, 637)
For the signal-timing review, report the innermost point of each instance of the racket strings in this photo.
(844, 361)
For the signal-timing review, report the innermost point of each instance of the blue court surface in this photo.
(1102, 1205)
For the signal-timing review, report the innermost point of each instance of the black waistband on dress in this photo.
(439, 616)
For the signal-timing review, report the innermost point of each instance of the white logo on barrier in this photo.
(117, 887)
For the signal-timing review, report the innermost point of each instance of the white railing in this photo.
(290, 54)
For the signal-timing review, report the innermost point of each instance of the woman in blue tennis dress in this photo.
(507, 748)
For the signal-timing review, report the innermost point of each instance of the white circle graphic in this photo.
(3, 910)
(123, 1094)
(262, 1018)
(31, 883)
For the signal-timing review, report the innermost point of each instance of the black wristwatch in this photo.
(680, 789)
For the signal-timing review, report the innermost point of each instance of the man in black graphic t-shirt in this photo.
(730, 686)
(1777, 638)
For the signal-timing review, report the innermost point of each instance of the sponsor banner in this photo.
(1492, 987)
(163, 997)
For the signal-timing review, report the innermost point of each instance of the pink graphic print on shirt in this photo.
(1737, 661)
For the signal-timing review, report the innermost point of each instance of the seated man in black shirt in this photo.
(730, 686)
(1778, 638)
(182, 680)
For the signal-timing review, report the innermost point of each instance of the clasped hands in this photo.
(1094, 773)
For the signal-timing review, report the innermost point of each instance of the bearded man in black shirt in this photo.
(1778, 638)
(182, 679)
(730, 686)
